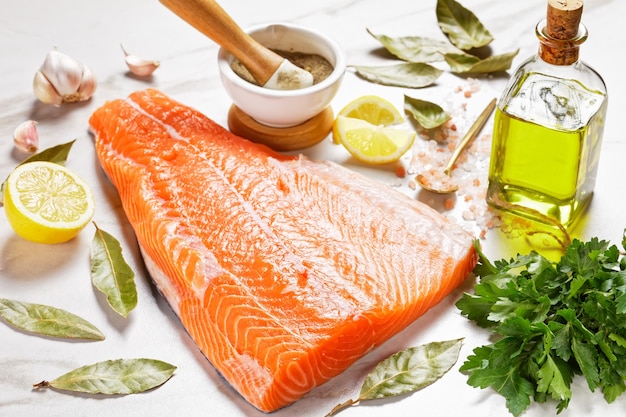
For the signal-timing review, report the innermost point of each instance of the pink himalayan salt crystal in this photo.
(430, 155)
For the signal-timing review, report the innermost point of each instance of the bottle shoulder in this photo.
(580, 72)
(561, 97)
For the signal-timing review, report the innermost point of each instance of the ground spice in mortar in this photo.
(317, 65)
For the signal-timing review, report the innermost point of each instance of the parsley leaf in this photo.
(552, 321)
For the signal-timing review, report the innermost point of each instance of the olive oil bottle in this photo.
(548, 127)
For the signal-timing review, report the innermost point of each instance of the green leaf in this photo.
(47, 321)
(111, 274)
(416, 48)
(562, 340)
(553, 382)
(410, 75)
(516, 390)
(552, 322)
(470, 64)
(428, 115)
(586, 356)
(484, 266)
(621, 341)
(620, 305)
(120, 376)
(611, 392)
(410, 370)
(461, 26)
(476, 309)
(56, 154)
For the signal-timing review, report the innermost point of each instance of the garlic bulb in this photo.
(62, 79)
(139, 66)
(26, 137)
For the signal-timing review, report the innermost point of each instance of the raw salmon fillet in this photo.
(283, 270)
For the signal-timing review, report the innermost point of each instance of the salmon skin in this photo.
(283, 270)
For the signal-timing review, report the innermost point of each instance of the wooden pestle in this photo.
(209, 18)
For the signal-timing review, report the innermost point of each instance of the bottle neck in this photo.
(559, 51)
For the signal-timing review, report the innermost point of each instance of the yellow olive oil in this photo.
(544, 161)
(548, 127)
(548, 170)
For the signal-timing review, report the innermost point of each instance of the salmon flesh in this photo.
(283, 270)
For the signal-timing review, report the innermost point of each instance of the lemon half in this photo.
(373, 109)
(373, 144)
(47, 203)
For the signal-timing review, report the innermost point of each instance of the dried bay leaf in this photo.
(47, 321)
(56, 154)
(464, 32)
(411, 369)
(416, 48)
(407, 371)
(428, 115)
(111, 274)
(410, 75)
(461, 26)
(466, 63)
(120, 376)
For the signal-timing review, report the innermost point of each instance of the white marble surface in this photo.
(59, 275)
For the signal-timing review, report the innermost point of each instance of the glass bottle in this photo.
(548, 127)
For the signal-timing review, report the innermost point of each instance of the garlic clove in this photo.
(63, 72)
(88, 85)
(63, 79)
(45, 91)
(26, 137)
(139, 66)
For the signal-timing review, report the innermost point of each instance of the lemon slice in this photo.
(46, 202)
(373, 109)
(371, 143)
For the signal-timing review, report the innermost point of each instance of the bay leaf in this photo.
(416, 48)
(406, 371)
(466, 63)
(411, 369)
(119, 376)
(56, 154)
(47, 320)
(408, 74)
(111, 274)
(429, 115)
(461, 25)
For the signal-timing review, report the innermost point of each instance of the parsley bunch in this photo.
(553, 321)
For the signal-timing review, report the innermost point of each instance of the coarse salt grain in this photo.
(470, 172)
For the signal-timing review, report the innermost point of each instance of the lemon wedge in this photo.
(373, 144)
(373, 109)
(47, 203)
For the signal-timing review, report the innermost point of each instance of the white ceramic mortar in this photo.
(285, 108)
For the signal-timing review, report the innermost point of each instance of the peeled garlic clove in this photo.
(139, 66)
(26, 137)
(63, 79)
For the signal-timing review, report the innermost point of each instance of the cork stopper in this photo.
(564, 18)
(560, 37)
